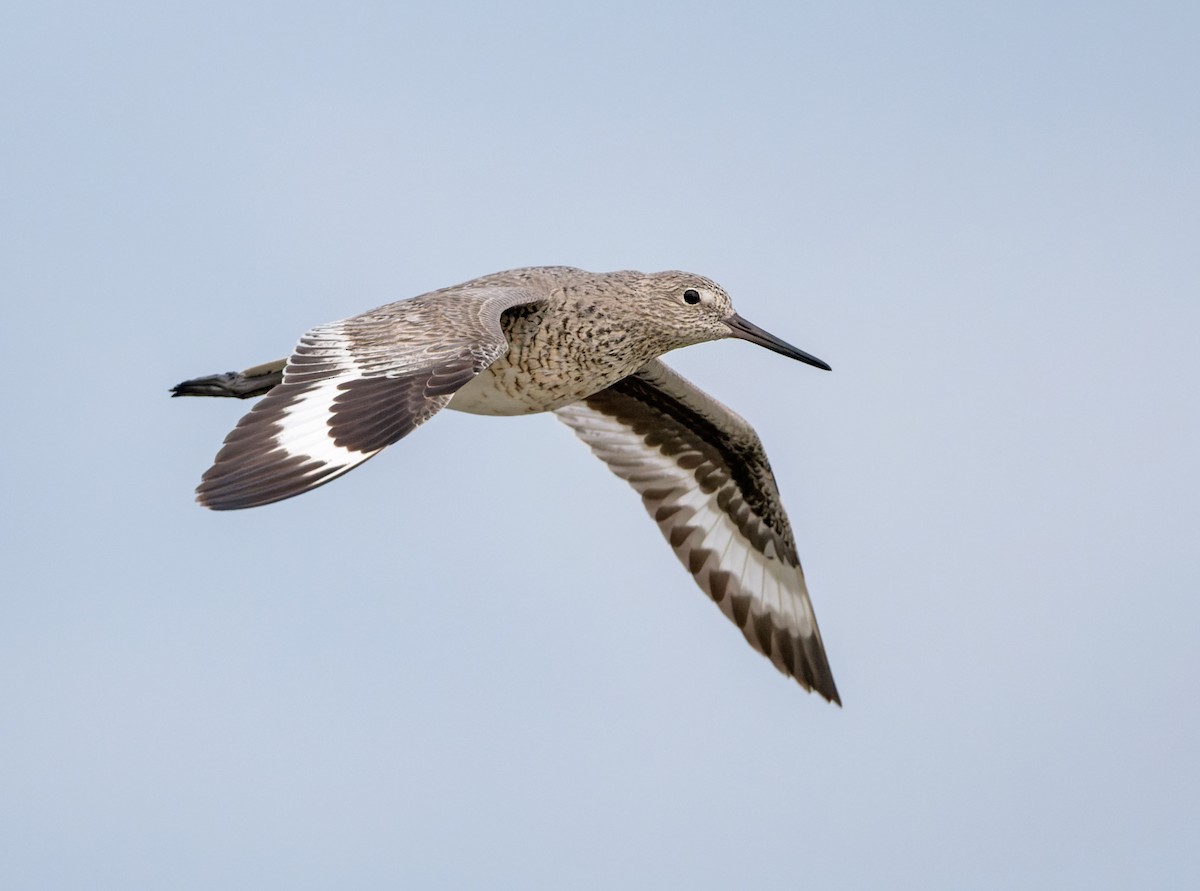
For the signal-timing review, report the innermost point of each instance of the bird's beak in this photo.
(744, 330)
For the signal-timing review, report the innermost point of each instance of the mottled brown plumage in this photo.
(583, 345)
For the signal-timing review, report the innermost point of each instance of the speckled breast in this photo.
(554, 358)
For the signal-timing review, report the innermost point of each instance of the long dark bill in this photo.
(744, 330)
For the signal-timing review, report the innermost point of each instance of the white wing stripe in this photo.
(731, 547)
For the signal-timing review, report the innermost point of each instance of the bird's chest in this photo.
(552, 361)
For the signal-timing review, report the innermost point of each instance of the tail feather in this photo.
(256, 381)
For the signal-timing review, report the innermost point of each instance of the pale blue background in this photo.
(474, 663)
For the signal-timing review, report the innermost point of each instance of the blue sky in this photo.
(474, 662)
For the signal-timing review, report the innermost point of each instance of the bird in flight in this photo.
(582, 345)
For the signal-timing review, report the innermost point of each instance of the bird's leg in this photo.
(246, 384)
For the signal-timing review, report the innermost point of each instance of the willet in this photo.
(582, 345)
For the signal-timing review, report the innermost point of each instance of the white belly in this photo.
(482, 396)
(505, 389)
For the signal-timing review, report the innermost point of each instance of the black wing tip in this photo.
(236, 484)
(235, 499)
(811, 669)
(222, 495)
(214, 501)
(813, 679)
(828, 691)
(815, 675)
(232, 505)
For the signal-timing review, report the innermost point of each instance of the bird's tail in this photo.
(246, 384)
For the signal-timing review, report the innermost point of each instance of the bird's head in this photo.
(692, 309)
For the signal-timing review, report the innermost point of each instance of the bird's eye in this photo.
(692, 296)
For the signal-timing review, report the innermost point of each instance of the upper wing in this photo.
(704, 478)
(355, 386)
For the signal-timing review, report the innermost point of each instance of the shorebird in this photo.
(582, 345)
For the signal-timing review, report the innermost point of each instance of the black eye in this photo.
(692, 296)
